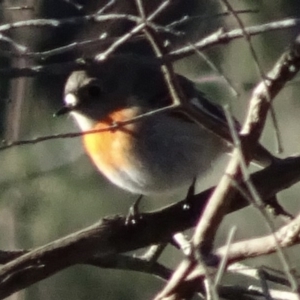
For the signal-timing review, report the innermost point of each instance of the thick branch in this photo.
(111, 235)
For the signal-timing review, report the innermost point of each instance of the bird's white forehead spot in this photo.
(71, 100)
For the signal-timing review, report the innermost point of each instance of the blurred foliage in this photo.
(51, 189)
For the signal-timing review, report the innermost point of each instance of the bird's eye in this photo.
(94, 91)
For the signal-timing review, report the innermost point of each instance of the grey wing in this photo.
(215, 112)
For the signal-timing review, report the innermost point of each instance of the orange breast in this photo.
(109, 149)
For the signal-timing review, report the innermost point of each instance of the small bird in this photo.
(155, 154)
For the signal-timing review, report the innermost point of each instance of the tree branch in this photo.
(111, 235)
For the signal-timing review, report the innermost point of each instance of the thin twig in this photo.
(220, 37)
(217, 69)
(257, 202)
(106, 7)
(282, 256)
(223, 264)
(77, 134)
(138, 28)
(24, 7)
(74, 4)
(257, 65)
(284, 70)
(187, 19)
(18, 47)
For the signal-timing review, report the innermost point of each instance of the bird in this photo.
(155, 154)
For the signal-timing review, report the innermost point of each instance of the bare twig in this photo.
(187, 19)
(18, 47)
(217, 69)
(224, 262)
(257, 65)
(283, 71)
(74, 4)
(138, 28)
(24, 7)
(251, 293)
(77, 134)
(220, 37)
(255, 199)
(214, 39)
(286, 236)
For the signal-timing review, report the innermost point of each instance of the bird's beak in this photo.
(64, 110)
(70, 104)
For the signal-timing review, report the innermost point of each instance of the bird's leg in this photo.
(190, 194)
(179, 238)
(191, 190)
(133, 212)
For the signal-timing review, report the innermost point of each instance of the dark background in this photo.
(51, 189)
